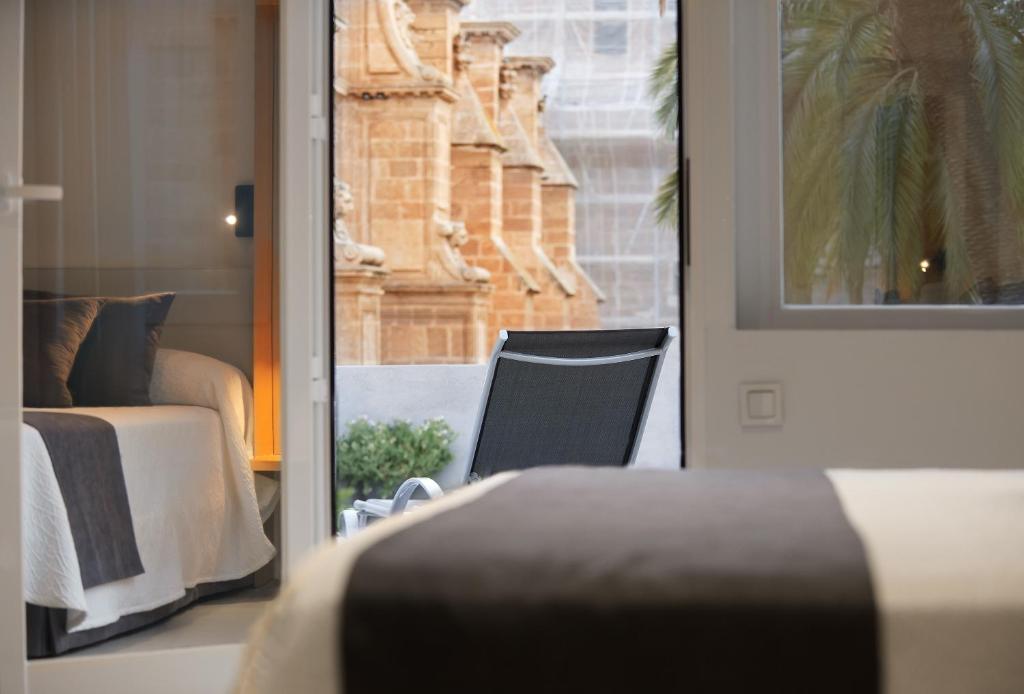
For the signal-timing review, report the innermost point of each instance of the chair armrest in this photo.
(409, 487)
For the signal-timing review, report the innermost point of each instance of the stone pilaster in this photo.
(358, 273)
(484, 44)
(523, 216)
(434, 30)
(558, 205)
(477, 180)
(395, 151)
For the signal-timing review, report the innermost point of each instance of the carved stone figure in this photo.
(347, 250)
(506, 82)
(396, 18)
(452, 260)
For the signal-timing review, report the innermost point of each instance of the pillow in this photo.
(115, 364)
(52, 335)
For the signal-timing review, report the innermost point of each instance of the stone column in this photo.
(523, 216)
(396, 154)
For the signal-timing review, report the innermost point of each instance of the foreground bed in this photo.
(194, 524)
(572, 579)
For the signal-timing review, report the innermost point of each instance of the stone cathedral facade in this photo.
(454, 211)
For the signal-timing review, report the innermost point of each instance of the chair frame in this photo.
(659, 353)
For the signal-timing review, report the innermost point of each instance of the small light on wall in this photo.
(231, 219)
(925, 265)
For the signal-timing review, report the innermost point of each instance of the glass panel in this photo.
(903, 152)
(139, 311)
(522, 197)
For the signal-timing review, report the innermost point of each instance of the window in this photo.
(901, 158)
(903, 152)
(611, 38)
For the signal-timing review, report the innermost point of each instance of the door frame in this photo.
(304, 265)
(12, 607)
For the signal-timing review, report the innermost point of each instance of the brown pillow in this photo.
(115, 364)
(52, 334)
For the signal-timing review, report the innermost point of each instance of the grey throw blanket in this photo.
(596, 580)
(87, 463)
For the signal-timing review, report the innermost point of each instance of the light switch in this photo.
(761, 404)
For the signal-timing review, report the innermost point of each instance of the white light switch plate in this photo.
(761, 404)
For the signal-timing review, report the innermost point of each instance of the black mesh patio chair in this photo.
(554, 398)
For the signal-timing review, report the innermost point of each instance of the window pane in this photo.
(903, 152)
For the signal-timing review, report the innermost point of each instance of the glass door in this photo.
(497, 166)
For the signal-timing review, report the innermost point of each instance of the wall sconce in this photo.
(241, 218)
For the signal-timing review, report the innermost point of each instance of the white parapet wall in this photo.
(417, 393)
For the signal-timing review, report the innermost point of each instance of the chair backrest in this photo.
(562, 398)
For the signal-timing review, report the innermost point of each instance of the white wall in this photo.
(417, 393)
(851, 398)
(144, 111)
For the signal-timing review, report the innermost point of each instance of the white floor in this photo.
(194, 652)
(209, 623)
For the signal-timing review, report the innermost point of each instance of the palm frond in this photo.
(903, 142)
(664, 89)
(957, 275)
(848, 50)
(999, 71)
(666, 202)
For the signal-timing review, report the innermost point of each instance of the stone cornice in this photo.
(384, 92)
(542, 65)
(500, 32)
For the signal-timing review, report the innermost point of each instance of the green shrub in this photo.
(373, 458)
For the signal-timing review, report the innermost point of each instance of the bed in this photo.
(585, 579)
(196, 509)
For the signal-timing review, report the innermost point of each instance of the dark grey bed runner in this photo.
(87, 463)
(598, 580)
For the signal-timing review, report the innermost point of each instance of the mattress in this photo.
(192, 493)
(941, 551)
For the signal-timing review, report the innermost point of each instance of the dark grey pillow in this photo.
(53, 331)
(115, 364)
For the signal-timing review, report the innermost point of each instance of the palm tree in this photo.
(903, 143)
(664, 89)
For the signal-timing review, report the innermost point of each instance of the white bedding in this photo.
(190, 486)
(945, 549)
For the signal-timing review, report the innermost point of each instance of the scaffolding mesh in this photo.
(599, 114)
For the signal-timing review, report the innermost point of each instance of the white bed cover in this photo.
(945, 548)
(190, 486)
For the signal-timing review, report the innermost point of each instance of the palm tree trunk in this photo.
(934, 37)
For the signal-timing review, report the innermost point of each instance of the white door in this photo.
(12, 610)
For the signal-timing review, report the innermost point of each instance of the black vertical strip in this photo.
(684, 221)
(332, 336)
